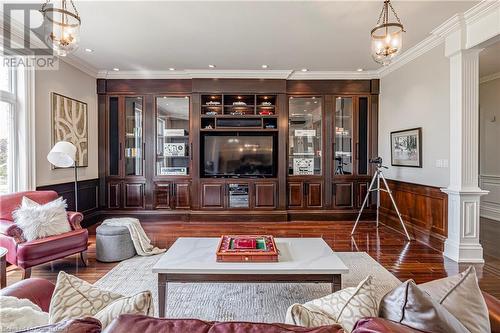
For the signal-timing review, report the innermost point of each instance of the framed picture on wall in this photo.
(70, 123)
(406, 148)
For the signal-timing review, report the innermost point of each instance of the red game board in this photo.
(247, 248)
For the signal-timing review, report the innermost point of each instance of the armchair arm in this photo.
(9, 228)
(74, 219)
(493, 305)
(38, 291)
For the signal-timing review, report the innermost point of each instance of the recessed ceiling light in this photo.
(265, 66)
(89, 50)
(171, 69)
(116, 69)
(211, 66)
(360, 69)
(303, 70)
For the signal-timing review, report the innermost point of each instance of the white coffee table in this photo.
(301, 260)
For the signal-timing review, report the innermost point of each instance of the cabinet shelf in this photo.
(239, 116)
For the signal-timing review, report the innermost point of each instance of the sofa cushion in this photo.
(407, 304)
(39, 221)
(462, 297)
(50, 248)
(344, 307)
(75, 298)
(144, 324)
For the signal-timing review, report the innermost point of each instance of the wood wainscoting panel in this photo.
(88, 197)
(424, 210)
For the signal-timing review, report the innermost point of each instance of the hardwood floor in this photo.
(406, 260)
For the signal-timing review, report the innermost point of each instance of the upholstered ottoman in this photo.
(113, 243)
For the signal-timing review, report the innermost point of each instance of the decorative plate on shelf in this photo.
(239, 103)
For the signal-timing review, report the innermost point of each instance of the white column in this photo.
(462, 244)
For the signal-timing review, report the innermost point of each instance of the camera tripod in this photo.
(376, 179)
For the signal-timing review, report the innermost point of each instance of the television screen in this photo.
(238, 155)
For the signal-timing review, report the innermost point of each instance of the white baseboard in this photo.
(490, 203)
(490, 212)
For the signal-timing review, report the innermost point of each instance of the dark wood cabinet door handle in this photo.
(120, 154)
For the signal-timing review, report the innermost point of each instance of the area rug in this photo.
(262, 302)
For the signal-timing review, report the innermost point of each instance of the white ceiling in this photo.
(236, 35)
(489, 60)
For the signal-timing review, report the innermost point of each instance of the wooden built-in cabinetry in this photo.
(152, 136)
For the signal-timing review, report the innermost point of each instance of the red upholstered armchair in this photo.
(28, 254)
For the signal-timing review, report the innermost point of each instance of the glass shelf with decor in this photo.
(343, 132)
(133, 136)
(172, 136)
(305, 123)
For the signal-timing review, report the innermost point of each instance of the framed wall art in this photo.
(406, 148)
(70, 123)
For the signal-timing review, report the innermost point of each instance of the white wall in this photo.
(418, 95)
(71, 82)
(489, 148)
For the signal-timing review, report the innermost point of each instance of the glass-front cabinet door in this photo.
(134, 136)
(114, 144)
(172, 136)
(305, 136)
(343, 132)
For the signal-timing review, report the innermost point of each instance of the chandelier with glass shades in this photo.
(387, 37)
(61, 27)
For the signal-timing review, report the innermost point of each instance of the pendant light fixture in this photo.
(387, 36)
(61, 27)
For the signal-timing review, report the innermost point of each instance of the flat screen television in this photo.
(238, 155)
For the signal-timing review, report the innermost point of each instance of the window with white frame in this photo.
(17, 159)
(8, 130)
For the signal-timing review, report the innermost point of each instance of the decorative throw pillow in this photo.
(76, 298)
(344, 307)
(462, 297)
(18, 314)
(39, 221)
(410, 306)
(140, 303)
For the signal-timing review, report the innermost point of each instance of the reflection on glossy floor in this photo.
(406, 260)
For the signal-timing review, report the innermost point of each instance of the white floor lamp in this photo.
(63, 155)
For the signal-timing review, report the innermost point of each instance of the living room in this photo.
(321, 166)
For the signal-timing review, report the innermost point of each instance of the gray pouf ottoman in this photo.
(113, 243)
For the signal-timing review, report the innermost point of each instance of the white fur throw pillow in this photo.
(39, 221)
(19, 314)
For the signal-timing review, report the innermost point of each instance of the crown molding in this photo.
(480, 10)
(449, 26)
(334, 75)
(80, 64)
(239, 74)
(490, 77)
(411, 54)
(17, 36)
(196, 74)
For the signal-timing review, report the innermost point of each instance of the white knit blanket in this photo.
(141, 241)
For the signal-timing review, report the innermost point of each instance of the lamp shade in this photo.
(62, 155)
